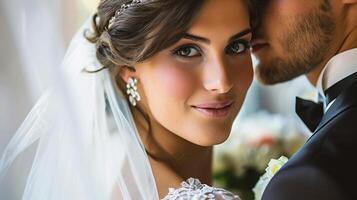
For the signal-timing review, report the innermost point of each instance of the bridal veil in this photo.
(87, 143)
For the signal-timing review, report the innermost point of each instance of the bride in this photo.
(145, 93)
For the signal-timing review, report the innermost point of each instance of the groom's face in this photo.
(292, 37)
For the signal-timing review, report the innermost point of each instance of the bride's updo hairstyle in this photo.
(141, 30)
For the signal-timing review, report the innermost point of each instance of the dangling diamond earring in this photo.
(132, 91)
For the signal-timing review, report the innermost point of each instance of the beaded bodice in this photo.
(193, 189)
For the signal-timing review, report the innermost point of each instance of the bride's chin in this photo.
(211, 138)
(212, 142)
(213, 132)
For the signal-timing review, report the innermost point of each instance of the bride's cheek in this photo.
(245, 77)
(175, 82)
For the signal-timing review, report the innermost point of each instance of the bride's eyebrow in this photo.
(207, 41)
(240, 34)
(196, 38)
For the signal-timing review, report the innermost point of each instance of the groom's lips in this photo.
(258, 44)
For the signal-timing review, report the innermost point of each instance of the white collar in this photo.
(339, 67)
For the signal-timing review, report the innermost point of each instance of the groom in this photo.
(317, 38)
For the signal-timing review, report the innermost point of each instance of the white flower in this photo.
(273, 167)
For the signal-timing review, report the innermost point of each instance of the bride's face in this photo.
(195, 88)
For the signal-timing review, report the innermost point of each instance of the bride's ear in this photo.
(126, 72)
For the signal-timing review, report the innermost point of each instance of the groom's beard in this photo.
(305, 43)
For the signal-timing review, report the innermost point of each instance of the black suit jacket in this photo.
(325, 168)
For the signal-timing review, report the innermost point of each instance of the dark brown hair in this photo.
(141, 30)
(256, 9)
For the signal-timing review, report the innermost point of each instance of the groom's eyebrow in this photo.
(207, 41)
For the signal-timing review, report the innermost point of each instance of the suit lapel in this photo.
(345, 100)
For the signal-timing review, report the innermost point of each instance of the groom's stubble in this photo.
(305, 42)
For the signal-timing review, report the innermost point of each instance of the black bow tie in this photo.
(311, 112)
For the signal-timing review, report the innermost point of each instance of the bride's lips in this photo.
(214, 109)
(258, 44)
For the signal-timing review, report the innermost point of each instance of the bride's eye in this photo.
(237, 47)
(187, 51)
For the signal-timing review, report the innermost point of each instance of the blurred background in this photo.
(266, 128)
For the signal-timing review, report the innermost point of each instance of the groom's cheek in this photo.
(275, 14)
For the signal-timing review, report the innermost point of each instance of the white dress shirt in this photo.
(339, 67)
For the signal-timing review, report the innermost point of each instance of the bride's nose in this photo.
(216, 76)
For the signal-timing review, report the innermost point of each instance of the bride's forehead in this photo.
(220, 19)
(223, 13)
(223, 8)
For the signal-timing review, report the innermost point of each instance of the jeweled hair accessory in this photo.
(121, 10)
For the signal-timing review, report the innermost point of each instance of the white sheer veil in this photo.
(88, 145)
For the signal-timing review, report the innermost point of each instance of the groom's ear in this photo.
(351, 12)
